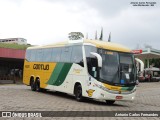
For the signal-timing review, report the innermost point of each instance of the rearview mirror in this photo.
(141, 64)
(99, 58)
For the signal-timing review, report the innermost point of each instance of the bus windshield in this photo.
(117, 68)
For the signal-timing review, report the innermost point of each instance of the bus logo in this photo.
(41, 66)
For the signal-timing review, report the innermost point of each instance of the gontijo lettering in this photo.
(41, 66)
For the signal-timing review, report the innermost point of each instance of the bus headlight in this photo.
(101, 87)
(114, 91)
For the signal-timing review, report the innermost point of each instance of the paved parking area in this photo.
(20, 98)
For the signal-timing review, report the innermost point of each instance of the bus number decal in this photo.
(27, 66)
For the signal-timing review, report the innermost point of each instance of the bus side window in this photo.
(28, 55)
(33, 55)
(91, 61)
(66, 54)
(56, 54)
(39, 55)
(47, 55)
(92, 66)
(77, 56)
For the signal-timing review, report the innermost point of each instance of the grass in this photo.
(14, 46)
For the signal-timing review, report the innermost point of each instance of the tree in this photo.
(101, 36)
(75, 36)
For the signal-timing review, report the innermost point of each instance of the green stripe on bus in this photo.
(63, 74)
(55, 73)
(59, 74)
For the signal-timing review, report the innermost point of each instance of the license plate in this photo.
(119, 97)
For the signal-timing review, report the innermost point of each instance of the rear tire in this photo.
(110, 102)
(32, 84)
(37, 86)
(78, 93)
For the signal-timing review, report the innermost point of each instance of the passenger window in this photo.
(47, 55)
(28, 55)
(89, 49)
(39, 55)
(56, 54)
(77, 56)
(33, 55)
(91, 60)
(66, 54)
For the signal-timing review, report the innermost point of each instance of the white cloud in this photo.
(44, 22)
(48, 21)
(135, 26)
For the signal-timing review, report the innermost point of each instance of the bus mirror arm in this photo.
(99, 59)
(141, 64)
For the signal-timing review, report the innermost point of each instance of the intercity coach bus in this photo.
(90, 68)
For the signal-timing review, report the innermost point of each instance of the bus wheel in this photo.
(37, 84)
(78, 93)
(110, 102)
(32, 83)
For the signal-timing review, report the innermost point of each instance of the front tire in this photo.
(110, 102)
(78, 93)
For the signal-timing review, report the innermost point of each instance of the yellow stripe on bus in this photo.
(110, 87)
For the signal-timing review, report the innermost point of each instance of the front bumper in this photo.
(105, 95)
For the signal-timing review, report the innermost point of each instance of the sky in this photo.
(44, 22)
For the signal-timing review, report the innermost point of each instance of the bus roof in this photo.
(97, 43)
(108, 45)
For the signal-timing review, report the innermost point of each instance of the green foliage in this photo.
(101, 36)
(14, 46)
(155, 62)
(75, 36)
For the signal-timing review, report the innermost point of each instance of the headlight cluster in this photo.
(113, 91)
(102, 87)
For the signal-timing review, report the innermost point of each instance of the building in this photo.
(147, 54)
(14, 40)
(11, 61)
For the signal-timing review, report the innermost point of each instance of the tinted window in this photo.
(28, 55)
(91, 60)
(77, 54)
(66, 54)
(56, 54)
(127, 68)
(89, 49)
(109, 70)
(47, 54)
(126, 59)
(39, 55)
(33, 55)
